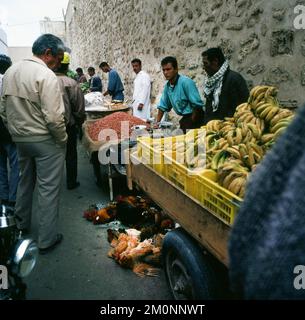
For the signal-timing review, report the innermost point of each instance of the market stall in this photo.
(204, 188)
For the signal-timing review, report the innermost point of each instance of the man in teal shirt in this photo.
(181, 94)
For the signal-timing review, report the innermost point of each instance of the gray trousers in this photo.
(42, 162)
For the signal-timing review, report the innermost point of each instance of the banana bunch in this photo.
(260, 94)
(280, 122)
(265, 105)
(219, 159)
(191, 150)
(233, 176)
(236, 145)
(214, 125)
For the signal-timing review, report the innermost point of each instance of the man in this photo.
(81, 78)
(181, 94)
(224, 89)
(115, 85)
(95, 82)
(8, 153)
(34, 111)
(141, 93)
(75, 115)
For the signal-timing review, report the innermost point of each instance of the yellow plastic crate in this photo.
(218, 200)
(148, 155)
(180, 175)
(150, 151)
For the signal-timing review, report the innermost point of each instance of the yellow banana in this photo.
(235, 185)
(279, 132)
(257, 149)
(271, 91)
(248, 137)
(260, 97)
(260, 124)
(244, 115)
(210, 174)
(261, 108)
(271, 114)
(215, 160)
(283, 123)
(243, 107)
(244, 129)
(257, 157)
(264, 113)
(234, 152)
(259, 104)
(267, 137)
(230, 137)
(251, 159)
(243, 150)
(249, 118)
(230, 178)
(273, 101)
(239, 136)
(222, 160)
(257, 90)
(255, 131)
(282, 114)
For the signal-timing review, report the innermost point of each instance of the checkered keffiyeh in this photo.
(214, 84)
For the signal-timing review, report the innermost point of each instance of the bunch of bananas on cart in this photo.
(236, 145)
(190, 150)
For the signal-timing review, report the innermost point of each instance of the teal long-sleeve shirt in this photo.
(183, 97)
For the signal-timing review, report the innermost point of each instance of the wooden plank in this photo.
(209, 231)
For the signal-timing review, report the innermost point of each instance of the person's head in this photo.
(91, 71)
(5, 63)
(170, 68)
(64, 65)
(136, 65)
(105, 67)
(49, 49)
(79, 71)
(212, 60)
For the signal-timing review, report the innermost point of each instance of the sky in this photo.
(20, 18)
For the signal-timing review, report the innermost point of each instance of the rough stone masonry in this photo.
(258, 37)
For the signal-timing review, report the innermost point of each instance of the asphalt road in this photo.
(79, 267)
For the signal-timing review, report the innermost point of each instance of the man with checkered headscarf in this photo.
(224, 89)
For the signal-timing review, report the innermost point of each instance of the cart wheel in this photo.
(189, 273)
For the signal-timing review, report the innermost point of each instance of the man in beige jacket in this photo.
(32, 106)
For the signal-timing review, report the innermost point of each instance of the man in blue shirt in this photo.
(115, 85)
(95, 81)
(181, 94)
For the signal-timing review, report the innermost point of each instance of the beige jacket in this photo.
(32, 104)
(74, 100)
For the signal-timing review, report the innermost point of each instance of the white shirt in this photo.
(141, 94)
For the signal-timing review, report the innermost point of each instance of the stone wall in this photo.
(257, 36)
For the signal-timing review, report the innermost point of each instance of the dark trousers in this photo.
(71, 156)
(96, 167)
(187, 123)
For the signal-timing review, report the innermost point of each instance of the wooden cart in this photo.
(195, 255)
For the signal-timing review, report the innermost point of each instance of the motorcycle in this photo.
(18, 256)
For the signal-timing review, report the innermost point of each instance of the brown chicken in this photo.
(129, 252)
